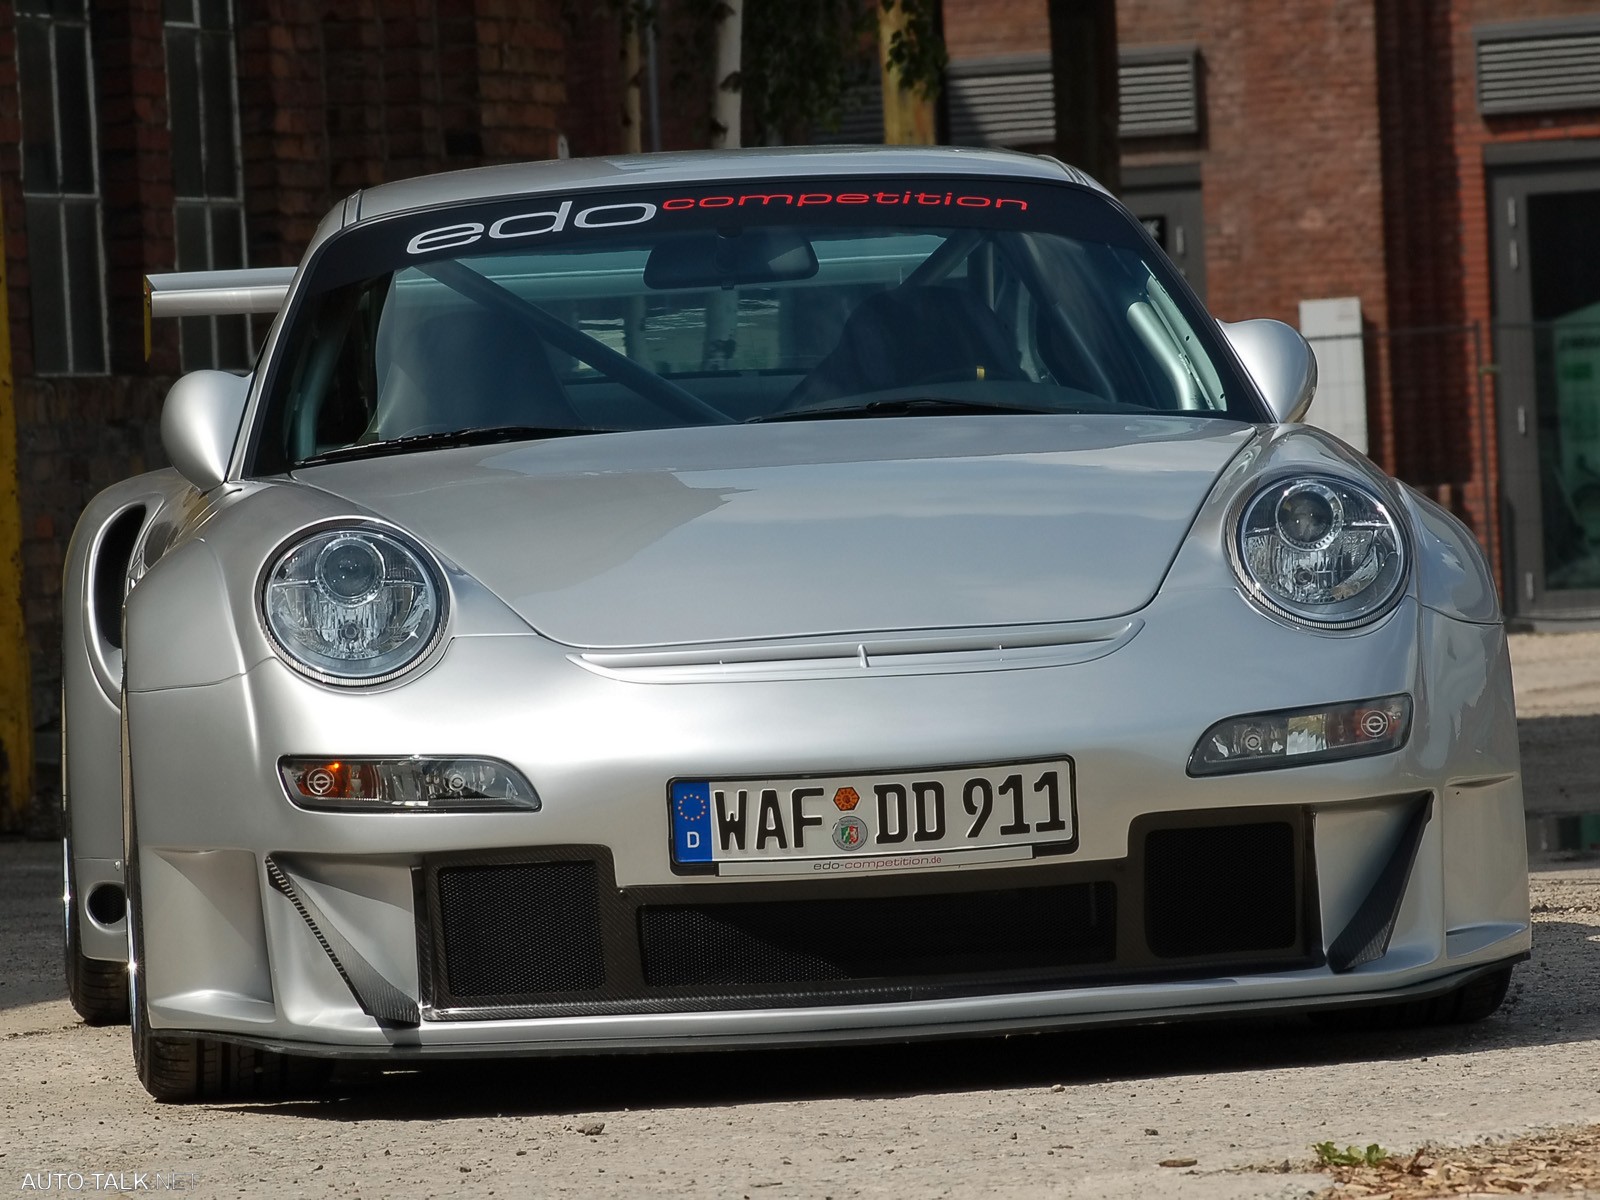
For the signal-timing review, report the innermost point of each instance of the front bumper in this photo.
(230, 951)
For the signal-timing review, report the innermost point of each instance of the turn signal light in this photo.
(406, 784)
(1300, 736)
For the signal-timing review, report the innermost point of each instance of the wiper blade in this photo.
(442, 439)
(904, 406)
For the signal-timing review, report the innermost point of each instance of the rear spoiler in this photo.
(214, 294)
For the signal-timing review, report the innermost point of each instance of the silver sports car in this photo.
(764, 599)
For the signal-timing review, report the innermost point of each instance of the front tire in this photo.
(187, 1069)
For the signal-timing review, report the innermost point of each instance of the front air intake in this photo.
(522, 930)
(1221, 889)
(896, 937)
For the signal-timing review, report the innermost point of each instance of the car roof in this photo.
(700, 166)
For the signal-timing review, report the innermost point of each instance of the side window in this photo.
(61, 187)
(208, 206)
(335, 379)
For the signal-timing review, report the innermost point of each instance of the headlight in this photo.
(352, 605)
(1322, 550)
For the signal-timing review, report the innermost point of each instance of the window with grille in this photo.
(1538, 66)
(61, 187)
(208, 215)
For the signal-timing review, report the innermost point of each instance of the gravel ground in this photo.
(1084, 1114)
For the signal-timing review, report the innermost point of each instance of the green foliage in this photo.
(1329, 1155)
(801, 58)
(917, 52)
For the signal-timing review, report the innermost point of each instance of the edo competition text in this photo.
(637, 212)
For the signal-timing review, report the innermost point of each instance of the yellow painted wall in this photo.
(16, 706)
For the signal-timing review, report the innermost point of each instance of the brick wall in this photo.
(135, 174)
(1430, 405)
(592, 116)
(283, 138)
(998, 27)
(16, 237)
(520, 84)
(1289, 152)
(332, 98)
(336, 98)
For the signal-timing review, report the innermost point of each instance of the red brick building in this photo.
(1416, 180)
(150, 135)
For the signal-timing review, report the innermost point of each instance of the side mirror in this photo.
(1280, 361)
(199, 423)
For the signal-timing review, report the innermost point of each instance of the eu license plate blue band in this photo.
(691, 822)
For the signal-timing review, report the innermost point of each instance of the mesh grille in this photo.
(518, 930)
(787, 942)
(1224, 889)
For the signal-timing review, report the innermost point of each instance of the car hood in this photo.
(679, 536)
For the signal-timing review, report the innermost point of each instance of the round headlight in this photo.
(352, 605)
(1321, 550)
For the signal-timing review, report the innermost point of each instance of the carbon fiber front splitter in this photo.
(402, 1051)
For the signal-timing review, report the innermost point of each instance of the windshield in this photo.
(544, 317)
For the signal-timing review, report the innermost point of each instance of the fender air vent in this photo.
(108, 576)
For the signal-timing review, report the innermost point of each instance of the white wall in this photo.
(1333, 327)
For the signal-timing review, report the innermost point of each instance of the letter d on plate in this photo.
(691, 822)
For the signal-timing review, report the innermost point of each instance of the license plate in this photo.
(859, 824)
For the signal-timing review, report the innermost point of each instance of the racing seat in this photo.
(909, 335)
(469, 369)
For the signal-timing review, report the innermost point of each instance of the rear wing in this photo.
(214, 294)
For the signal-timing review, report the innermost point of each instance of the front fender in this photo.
(109, 542)
(1453, 575)
(181, 620)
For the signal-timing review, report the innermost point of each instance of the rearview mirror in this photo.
(1281, 363)
(199, 422)
(720, 259)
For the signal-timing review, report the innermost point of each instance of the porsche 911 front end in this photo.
(787, 598)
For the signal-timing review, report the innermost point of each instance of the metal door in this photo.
(1546, 223)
